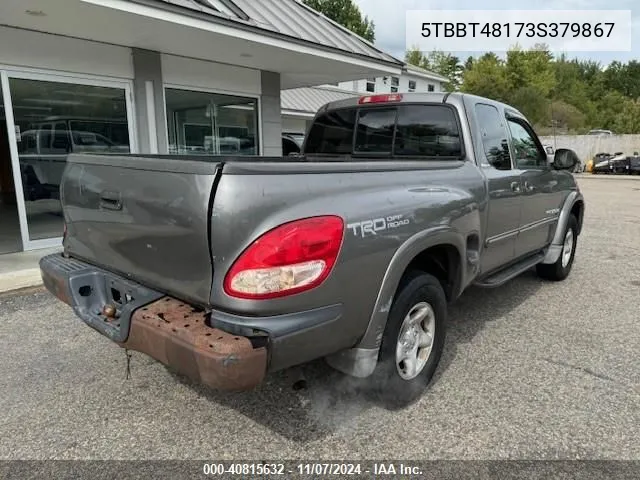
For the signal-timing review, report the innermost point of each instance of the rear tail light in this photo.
(291, 258)
(384, 98)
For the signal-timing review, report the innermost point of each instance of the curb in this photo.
(20, 279)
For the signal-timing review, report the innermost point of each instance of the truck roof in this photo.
(414, 97)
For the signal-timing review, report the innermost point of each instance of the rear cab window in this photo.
(332, 133)
(400, 130)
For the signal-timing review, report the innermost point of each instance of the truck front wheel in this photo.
(413, 341)
(560, 270)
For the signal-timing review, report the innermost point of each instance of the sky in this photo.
(390, 18)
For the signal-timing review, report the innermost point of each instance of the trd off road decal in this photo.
(373, 226)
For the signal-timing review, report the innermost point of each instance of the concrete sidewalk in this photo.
(21, 270)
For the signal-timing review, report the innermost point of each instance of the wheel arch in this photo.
(578, 211)
(574, 204)
(441, 248)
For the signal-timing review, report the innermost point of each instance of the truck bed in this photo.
(151, 218)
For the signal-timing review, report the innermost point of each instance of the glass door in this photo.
(53, 116)
(10, 237)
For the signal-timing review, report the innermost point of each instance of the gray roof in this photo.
(288, 18)
(310, 99)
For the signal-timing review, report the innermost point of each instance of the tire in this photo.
(560, 270)
(419, 293)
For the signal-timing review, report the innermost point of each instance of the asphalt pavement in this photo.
(531, 370)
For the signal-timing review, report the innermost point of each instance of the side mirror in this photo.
(565, 159)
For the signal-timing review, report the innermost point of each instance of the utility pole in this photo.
(553, 125)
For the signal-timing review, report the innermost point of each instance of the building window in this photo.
(395, 83)
(412, 85)
(431, 88)
(52, 120)
(371, 85)
(202, 123)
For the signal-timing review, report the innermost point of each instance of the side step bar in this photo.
(503, 276)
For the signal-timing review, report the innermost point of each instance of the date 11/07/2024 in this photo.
(517, 30)
(277, 469)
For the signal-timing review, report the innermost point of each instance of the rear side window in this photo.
(405, 130)
(425, 130)
(375, 130)
(494, 136)
(332, 133)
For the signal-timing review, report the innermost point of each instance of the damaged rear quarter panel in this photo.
(383, 205)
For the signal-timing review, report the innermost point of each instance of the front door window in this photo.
(525, 149)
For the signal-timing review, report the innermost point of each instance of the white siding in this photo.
(197, 74)
(23, 48)
(294, 125)
(422, 84)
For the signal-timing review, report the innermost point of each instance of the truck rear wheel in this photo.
(560, 270)
(413, 341)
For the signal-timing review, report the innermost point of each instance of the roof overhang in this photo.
(307, 101)
(418, 72)
(166, 28)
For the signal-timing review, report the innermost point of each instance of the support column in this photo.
(149, 99)
(271, 115)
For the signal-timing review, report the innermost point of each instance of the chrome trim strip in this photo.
(506, 235)
(539, 223)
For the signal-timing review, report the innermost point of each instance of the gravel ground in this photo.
(531, 370)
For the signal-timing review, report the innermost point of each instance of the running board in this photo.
(503, 276)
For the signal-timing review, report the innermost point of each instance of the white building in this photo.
(150, 76)
(412, 79)
(299, 105)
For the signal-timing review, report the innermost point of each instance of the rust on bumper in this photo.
(57, 286)
(176, 335)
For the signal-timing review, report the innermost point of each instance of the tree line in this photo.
(568, 95)
(555, 93)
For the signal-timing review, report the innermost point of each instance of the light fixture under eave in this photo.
(35, 13)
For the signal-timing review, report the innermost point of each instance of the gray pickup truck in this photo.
(227, 268)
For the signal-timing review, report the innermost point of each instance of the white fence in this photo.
(586, 146)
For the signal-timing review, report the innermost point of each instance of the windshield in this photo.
(400, 130)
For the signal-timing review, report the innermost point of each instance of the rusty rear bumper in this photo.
(176, 335)
(168, 330)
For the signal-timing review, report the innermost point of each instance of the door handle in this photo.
(111, 200)
(515, 186)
